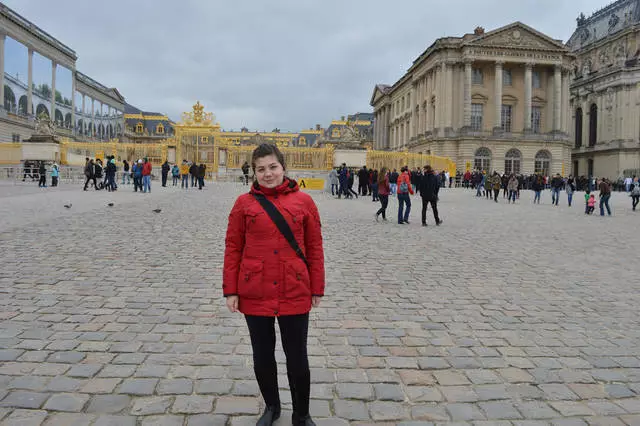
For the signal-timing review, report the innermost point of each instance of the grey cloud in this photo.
(277, 63)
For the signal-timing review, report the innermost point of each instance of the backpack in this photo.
(403, 187)
(636, 190)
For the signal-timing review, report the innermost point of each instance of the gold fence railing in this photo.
(10, 153)
(295, 158)
(396, 160)
(74, 153)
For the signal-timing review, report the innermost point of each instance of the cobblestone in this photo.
(442, 334)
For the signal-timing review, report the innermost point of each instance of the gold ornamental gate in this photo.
(397, 160)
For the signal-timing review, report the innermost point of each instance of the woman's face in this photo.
(269, 171)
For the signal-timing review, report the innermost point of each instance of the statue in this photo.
(350, 132)
(581, 20)
(44, 126)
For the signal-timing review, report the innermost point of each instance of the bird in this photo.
(157, 210)
(68, 206)
(110, 204)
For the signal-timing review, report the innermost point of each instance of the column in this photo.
(73, 102)
(53, 92)
(557, 98)
(30, 84)
(527, 95)
(439, 76)
(83, 115)
(91, 123)
(448, 94)
(467, 93)
(385, 127)
(2, 39)
(566, 114)
(497, 96)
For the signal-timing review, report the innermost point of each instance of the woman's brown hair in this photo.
(382, 176)
(264, 150)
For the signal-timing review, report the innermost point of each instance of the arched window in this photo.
(22, 105)
(42, 110)
(139, 128)
(482, 159)
(302, 141)
(593, 124)
(59, 118)
(9, 99)
(67, 120)
(578, 132)
(542, 163)
(160, 128)
(512, 162)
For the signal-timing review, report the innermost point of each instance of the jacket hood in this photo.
(286, 187)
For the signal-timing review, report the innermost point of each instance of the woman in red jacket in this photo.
(265, 278)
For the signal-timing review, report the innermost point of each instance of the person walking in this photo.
(384, 189)
(497, 183)
(146, 175)
(165, 172)
(274, 268)
(429, 189)
(202, 172)
(333, 180)
(512, 187)
(175, 174)
(42, 172)
(245, 173)
(635, 195)
(556, 187)
(570, 187)
(193, 170)
(55, 173)
(404, 189)
(90, 174)
(605, 194)
(537, 187)
(373, 187)
(137, 176)
(184, 171)
(126, 172)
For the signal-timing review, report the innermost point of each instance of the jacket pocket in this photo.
(297, 281)
(250, 279)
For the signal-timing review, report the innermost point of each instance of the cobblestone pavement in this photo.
(505, 315)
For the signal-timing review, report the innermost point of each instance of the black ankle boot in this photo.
(270, 415)
(301, 421)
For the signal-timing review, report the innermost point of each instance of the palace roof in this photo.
(609, 20)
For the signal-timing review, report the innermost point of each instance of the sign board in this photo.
(100, 155)
(311, 184)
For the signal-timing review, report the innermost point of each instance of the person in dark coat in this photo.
(202, 171)
(165, 172)
(193, 171)
(429, 188)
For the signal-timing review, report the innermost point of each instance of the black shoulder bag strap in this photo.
(281, 224)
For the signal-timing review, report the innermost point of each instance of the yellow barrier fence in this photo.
(396, 160)
(74, 153)
(295, 158)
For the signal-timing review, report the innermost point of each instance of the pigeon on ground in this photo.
(110, 204)
(157, 210)
(68, 205)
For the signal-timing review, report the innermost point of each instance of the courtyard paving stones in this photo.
(507, 314)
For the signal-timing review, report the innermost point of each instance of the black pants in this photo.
(434, 207)
(293, 330)
(89, 178)
(384, 200)
(496, 192)
(634, 201)
(164, 178)
(54, 180)
(43, 180)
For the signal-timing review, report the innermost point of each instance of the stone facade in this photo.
(605, 97)
(446, 104)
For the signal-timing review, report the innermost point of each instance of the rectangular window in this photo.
(409, 101)
(535, 79)
(536, 119)
(15, 137)
(507, 80)
(476, 117)
(476, 76)
(506, 118)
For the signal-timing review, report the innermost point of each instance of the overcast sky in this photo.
(270, 63)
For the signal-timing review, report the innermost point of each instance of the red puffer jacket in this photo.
(259, 264)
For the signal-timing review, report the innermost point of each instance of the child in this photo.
(586, 201)
(591, 204)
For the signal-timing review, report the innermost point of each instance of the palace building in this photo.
(605, 92)
(496, 100)
(146, 127)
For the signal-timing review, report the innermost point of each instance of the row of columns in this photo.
(440, 82)
(54, 66)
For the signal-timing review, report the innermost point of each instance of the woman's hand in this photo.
(315, 301)
(232, 303)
